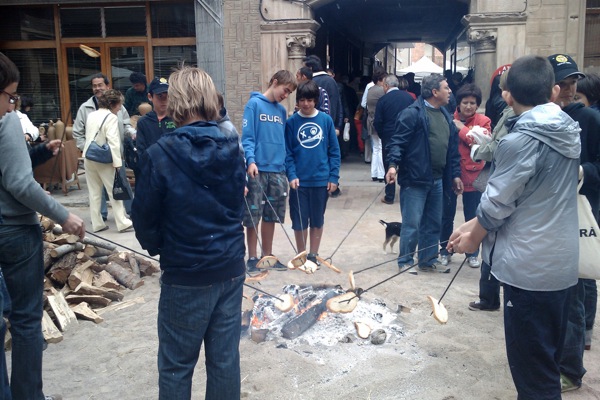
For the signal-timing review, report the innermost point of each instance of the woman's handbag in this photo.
(589, 239)
(121, 189)
(481, 181)
(97, 153)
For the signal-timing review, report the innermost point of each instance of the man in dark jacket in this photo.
(389, 107)
(188, 209)
(582, 304)
(422, 151)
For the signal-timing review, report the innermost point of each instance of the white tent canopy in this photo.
(425, 67)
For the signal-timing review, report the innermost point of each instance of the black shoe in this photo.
(104, 218)
(479, 306)
(313, 257)
(374, 179)
(386, 201)
(279, 266)
(251, 265)
(336, 193)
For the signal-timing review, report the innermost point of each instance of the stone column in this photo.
(484, 42)
(297, 45)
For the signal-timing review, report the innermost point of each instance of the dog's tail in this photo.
(382, 222)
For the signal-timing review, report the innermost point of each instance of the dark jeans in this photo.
(21, 259)
(421, 209)
(535, 324)
(571, 361)
(590, 302)
(189, 316)
(470, 203)
(390, 189)
(4, 308)
(104, 207)
(489, 288)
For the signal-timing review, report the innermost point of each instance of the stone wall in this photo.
(241, 41)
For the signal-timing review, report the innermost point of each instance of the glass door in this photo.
(115, 60)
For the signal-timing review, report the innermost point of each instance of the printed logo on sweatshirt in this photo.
(310, 135)
(270, 118)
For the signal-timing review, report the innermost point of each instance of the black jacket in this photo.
(388, 110)
(188, 205)
(150, 129)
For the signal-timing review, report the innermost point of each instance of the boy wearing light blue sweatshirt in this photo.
(263, 130)
(313, 167)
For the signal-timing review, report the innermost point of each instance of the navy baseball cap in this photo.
(564, 67)
(158, 86)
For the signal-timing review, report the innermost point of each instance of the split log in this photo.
(120, 306)
(48, 236)
(63, 313)
(51, 333)
(300, 323)
(99, 243)
(101, 260)
(94, 300)
(85, 289)
(81, 273)
(121, 259)
(92, 251)
(105, 280)
(48, 260)
(83, 311)
(65, 238)
(133, 264)
(65, 248)
(47, 224)
(147, 267)
(61, 269)
(123, 276)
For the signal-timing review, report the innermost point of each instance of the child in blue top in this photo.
(312, 165)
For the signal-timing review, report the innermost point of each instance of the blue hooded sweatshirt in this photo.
(263, 133)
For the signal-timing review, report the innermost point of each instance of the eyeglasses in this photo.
(12, 99)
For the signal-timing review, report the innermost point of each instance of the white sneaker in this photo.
(445, 260)
(474, 262)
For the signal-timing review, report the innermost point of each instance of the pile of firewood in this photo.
(84, 277)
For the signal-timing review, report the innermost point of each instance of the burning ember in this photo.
(309, 318)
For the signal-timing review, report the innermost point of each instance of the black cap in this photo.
(564, 67)
(158, 86)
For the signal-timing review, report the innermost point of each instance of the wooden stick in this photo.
(85, 289)
(92, 251)
(65, 248)
(123, 276)
(98, 243)
(133, 263)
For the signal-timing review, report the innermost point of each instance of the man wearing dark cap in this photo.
(584, 294)
(136, 94)
(156, 123)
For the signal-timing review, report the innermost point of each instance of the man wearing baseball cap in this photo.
(156, 123)
(584, 294)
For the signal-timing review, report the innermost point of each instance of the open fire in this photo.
(309, 318)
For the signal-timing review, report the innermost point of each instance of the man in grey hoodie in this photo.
(527, 221)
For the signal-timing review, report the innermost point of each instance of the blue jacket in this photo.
(150, 129)
(263, 133)
(313, 151)
(389, 107)
(188, 205)
(408, 148)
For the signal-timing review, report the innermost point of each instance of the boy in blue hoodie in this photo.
(264, 147)
(313, 167)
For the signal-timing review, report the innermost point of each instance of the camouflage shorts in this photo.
(275, 186)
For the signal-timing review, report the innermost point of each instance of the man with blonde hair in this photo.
(188, 209)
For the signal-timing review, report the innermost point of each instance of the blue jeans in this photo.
(421, 209)
(4, 309)
(535, 325)
(189, 316)
(571, 361)
(470, 203)
(590, 302)
(21, 259)
(104, 207)
(489, 288)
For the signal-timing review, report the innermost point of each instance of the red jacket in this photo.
(469, 169)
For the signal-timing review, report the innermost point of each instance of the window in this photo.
(168, 58)
(27, 23)
(173, 19)
(80, 22)
(125, 21)
(103, 22)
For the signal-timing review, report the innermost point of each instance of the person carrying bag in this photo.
(98, 153)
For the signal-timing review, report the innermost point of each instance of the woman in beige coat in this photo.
(100, 175)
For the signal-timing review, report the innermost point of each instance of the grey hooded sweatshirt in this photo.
(530, 205)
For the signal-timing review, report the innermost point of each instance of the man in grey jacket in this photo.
(21, 256)
(527, 220)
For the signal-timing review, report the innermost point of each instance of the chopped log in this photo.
(48, 236)
(51, 333)
(121, 259)
(92, 251)
(65, 238)
(48, 245)
(63, 313)
(47, 224)
(147, 267)
(65, 248)
(83, 311)
(123, 276)
(101, 260)
(133, 264)
(93, 300)
(81, 273)
(85, 289)
(99, 243)
(61, 269)
(57, 229)
(121, 305)
(105, 280)
(48, 260)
